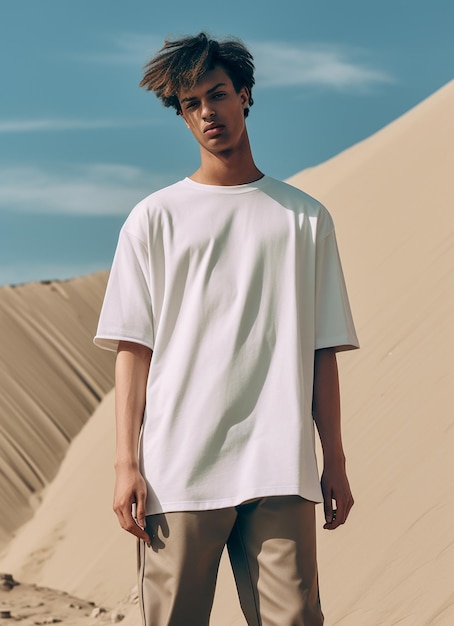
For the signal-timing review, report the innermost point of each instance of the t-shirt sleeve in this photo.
(334, 327)
(127, 312)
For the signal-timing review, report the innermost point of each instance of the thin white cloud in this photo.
(127, 49)
(96, 189)
(278, 63)
(286, 65)
(46, 125)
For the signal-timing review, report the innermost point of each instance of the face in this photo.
(214, 112)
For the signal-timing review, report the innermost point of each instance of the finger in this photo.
(132, 527)
(345, 505)
(328, 508)
(336, 520)
(128, 523)
(141, 533)
(140, 510)
(141, 521)
(340, 512)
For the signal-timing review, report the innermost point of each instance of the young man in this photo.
(226, 305)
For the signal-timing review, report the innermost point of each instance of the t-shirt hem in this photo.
(107, 342)
(339, 344)
(225, 503)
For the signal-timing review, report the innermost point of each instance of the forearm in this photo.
(326, 405)
(131, 373)
(337, 495)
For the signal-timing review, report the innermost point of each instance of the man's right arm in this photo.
(131, 374)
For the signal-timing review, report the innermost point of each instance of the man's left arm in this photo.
(337, 496)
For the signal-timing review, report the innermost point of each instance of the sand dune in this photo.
(393, 562)
(391, 199)
(51, 378)
(73, 543)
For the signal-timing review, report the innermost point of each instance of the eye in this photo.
(190, 105)
(218, 95)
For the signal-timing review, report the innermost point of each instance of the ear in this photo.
(244, 97)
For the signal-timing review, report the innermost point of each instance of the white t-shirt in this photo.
(233, 288)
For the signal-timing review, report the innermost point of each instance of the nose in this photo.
(208, 112)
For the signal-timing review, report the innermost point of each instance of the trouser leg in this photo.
(177, 573)
(273, 554)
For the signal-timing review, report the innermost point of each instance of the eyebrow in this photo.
(210, 91)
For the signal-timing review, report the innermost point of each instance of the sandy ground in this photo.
(392, 564)
(31, 605)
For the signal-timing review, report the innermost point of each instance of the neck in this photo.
(232, 167)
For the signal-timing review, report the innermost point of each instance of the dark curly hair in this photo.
(180, 64)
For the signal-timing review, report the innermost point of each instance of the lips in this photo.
(213, 129)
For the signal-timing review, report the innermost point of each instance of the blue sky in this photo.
(80, 143)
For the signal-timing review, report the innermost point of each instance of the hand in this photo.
(131, 489)
(336, 489)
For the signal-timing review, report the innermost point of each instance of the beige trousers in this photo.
(271, 545)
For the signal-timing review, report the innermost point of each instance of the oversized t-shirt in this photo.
(233, 288)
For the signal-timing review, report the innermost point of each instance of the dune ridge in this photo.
(390, 196)
(52, 378)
